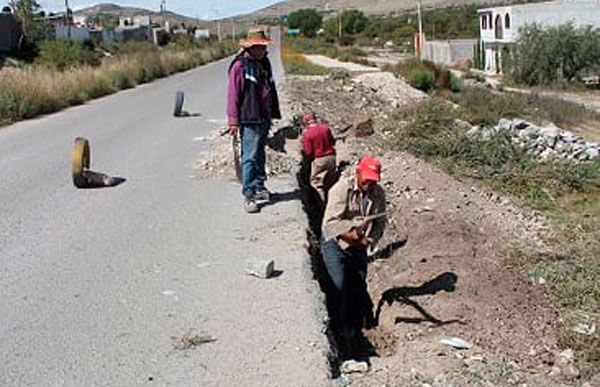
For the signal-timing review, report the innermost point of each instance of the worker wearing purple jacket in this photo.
(252, 103)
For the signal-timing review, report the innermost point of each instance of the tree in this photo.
(561, 54)
(25, 11)
(307, 20)
(354, 21)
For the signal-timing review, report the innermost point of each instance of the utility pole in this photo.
(67, 19)
(216, 13)
(420, 39)
(232, 30)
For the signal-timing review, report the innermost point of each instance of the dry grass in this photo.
(38, 90)
(297, 64)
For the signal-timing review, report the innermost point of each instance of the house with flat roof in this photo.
(499, 26)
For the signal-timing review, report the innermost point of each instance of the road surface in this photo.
(100, 286)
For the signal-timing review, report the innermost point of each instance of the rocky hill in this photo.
(381, 7)
(120, 11)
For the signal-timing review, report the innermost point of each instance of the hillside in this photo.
(382, 7)
(117, 10)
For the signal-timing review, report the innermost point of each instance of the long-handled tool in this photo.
(236, 158)
(360, 223)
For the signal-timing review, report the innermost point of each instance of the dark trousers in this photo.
(351, 304)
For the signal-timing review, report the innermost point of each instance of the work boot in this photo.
(250, 206)
(262, 195)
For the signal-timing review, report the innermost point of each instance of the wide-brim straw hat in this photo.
(255, 37)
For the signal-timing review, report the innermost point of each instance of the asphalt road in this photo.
(99, 286)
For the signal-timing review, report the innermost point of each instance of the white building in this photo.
(499, 26)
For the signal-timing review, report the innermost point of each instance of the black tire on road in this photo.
(178, 108)
(80, 161)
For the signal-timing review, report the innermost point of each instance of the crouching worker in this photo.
(354, 221)
(318, 146)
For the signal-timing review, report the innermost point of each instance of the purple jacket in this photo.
(238, 84)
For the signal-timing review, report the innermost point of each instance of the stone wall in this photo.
(543, 142)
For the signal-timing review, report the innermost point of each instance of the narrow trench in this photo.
(314, 214)
(359, 348)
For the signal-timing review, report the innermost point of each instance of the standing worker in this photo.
(318, 146)
(252, 103)
(354, 221)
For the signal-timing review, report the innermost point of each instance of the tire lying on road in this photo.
(80, 161)
(178, 108)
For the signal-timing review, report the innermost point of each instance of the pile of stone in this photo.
(543, 142)
(390, 89)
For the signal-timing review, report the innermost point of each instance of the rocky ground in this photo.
(444, 253)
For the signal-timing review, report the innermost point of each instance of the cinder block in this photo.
(262, 268)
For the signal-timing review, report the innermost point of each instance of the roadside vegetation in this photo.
(46, 75)
(557, 57)
(67, 73)
(295, 63)
(568, 194)
(426, 75)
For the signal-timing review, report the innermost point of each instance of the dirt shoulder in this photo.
(450, 227)
(439, 228)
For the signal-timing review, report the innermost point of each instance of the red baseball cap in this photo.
(370, 168)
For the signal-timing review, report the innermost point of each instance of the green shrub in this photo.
(456, 84)
(347, 40)
(422, 79)
(63, 54)
(554, 56)
(482, 107)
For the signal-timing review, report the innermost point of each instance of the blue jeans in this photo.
(347, 270)
(254, 140)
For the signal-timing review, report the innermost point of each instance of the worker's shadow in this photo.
(289, 132)
(282, 197)
(389, 250)
(445, 282)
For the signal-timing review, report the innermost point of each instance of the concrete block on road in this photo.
(261, 268)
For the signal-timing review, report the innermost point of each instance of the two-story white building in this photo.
(499, 26)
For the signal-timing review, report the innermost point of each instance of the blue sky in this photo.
(203, 9)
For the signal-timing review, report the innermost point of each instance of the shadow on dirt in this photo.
(444, 282)
(389, 250)
(290, 132)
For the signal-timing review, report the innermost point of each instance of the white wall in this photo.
(78, 34)
(447, 52)
(580, 12)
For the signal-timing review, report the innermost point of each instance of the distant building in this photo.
(202, 34)
(135, 21)
(10, 31)
(133, 33)
(447, 52)
(79, 20)
(74, 33)
(499, 26)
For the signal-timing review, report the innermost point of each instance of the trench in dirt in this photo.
(360, 348)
